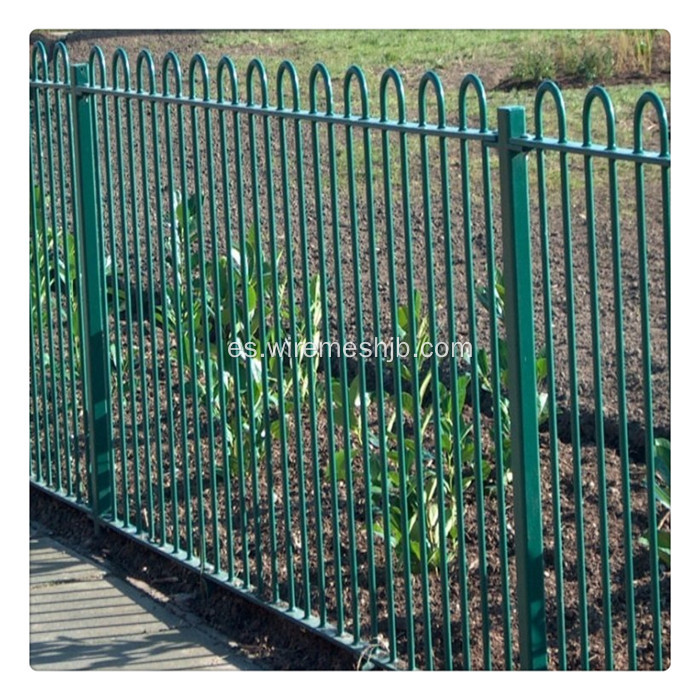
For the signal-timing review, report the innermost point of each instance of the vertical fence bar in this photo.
(201, 327)
(50, 257)
(142, 434)
(404, 561)
(79, 321)
(98, 390)
(43, 305)
(439, 465)
(297, 378)
(218, 381)
(522, 390)
(164, 369)
(257, 278)
(37, 292)
(622, 417)
(35, 342)
(237, 448)
(62, 126)
(132, 516)
(344, 380)
(310, 382)
(319, 69)
(545, 237)
(361, 376)
(172, 65)
(144, 62)
(498, 421)
(655, 604)
(60, 407)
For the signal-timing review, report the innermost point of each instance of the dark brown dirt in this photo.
(483, 577)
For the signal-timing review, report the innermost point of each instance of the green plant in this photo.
(662, 494)
(501, 402)
(254, 314)
(409, 481)
(585, 59)
(534, 66)
(644, 48)
(595, 63)
(426, 496)
(411, 465)
(53, 273)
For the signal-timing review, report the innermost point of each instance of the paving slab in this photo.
(84, 617)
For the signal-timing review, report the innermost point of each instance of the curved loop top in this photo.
(287, 67)
(393, 75)
(256, 65)
(120, 57)
(603, 96)
(431, 77)
(475, 81)
(550, 87)
(61, 50)
(226, 65)
(364, 97)
(39, 51)
(199, 60)
(171, 59)
(97, 59)
(651, 98)
(320, 69)
(145, 57)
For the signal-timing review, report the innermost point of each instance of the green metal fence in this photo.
(488, 504)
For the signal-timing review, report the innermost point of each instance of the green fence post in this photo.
(93, 287)
(522, 389)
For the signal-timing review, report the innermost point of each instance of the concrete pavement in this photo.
(83, 617)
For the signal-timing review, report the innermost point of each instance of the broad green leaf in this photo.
(432, 515)
(662, 463)
(483, 363)
(542, 407)
(663, 540)
(663, 495)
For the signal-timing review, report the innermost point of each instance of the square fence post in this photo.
(522, 389)
(97, 398)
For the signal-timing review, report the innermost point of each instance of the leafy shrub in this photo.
(534, 66)
(248, 285)
(498, 299)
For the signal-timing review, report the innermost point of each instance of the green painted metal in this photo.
(368, 499)
(97, 62)
(551, 88)
(227, 67)
(40, 253)
(433, 79)
(498, 428)
(356, 73)
(294, 338)
(600, 94)
(144, 62)
(392, 76)
(98, 404)
(522, 389)
(173, 73)
(475, 83)
(650, 98)
(320, 70)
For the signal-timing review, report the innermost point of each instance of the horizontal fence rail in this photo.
(404, 380)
